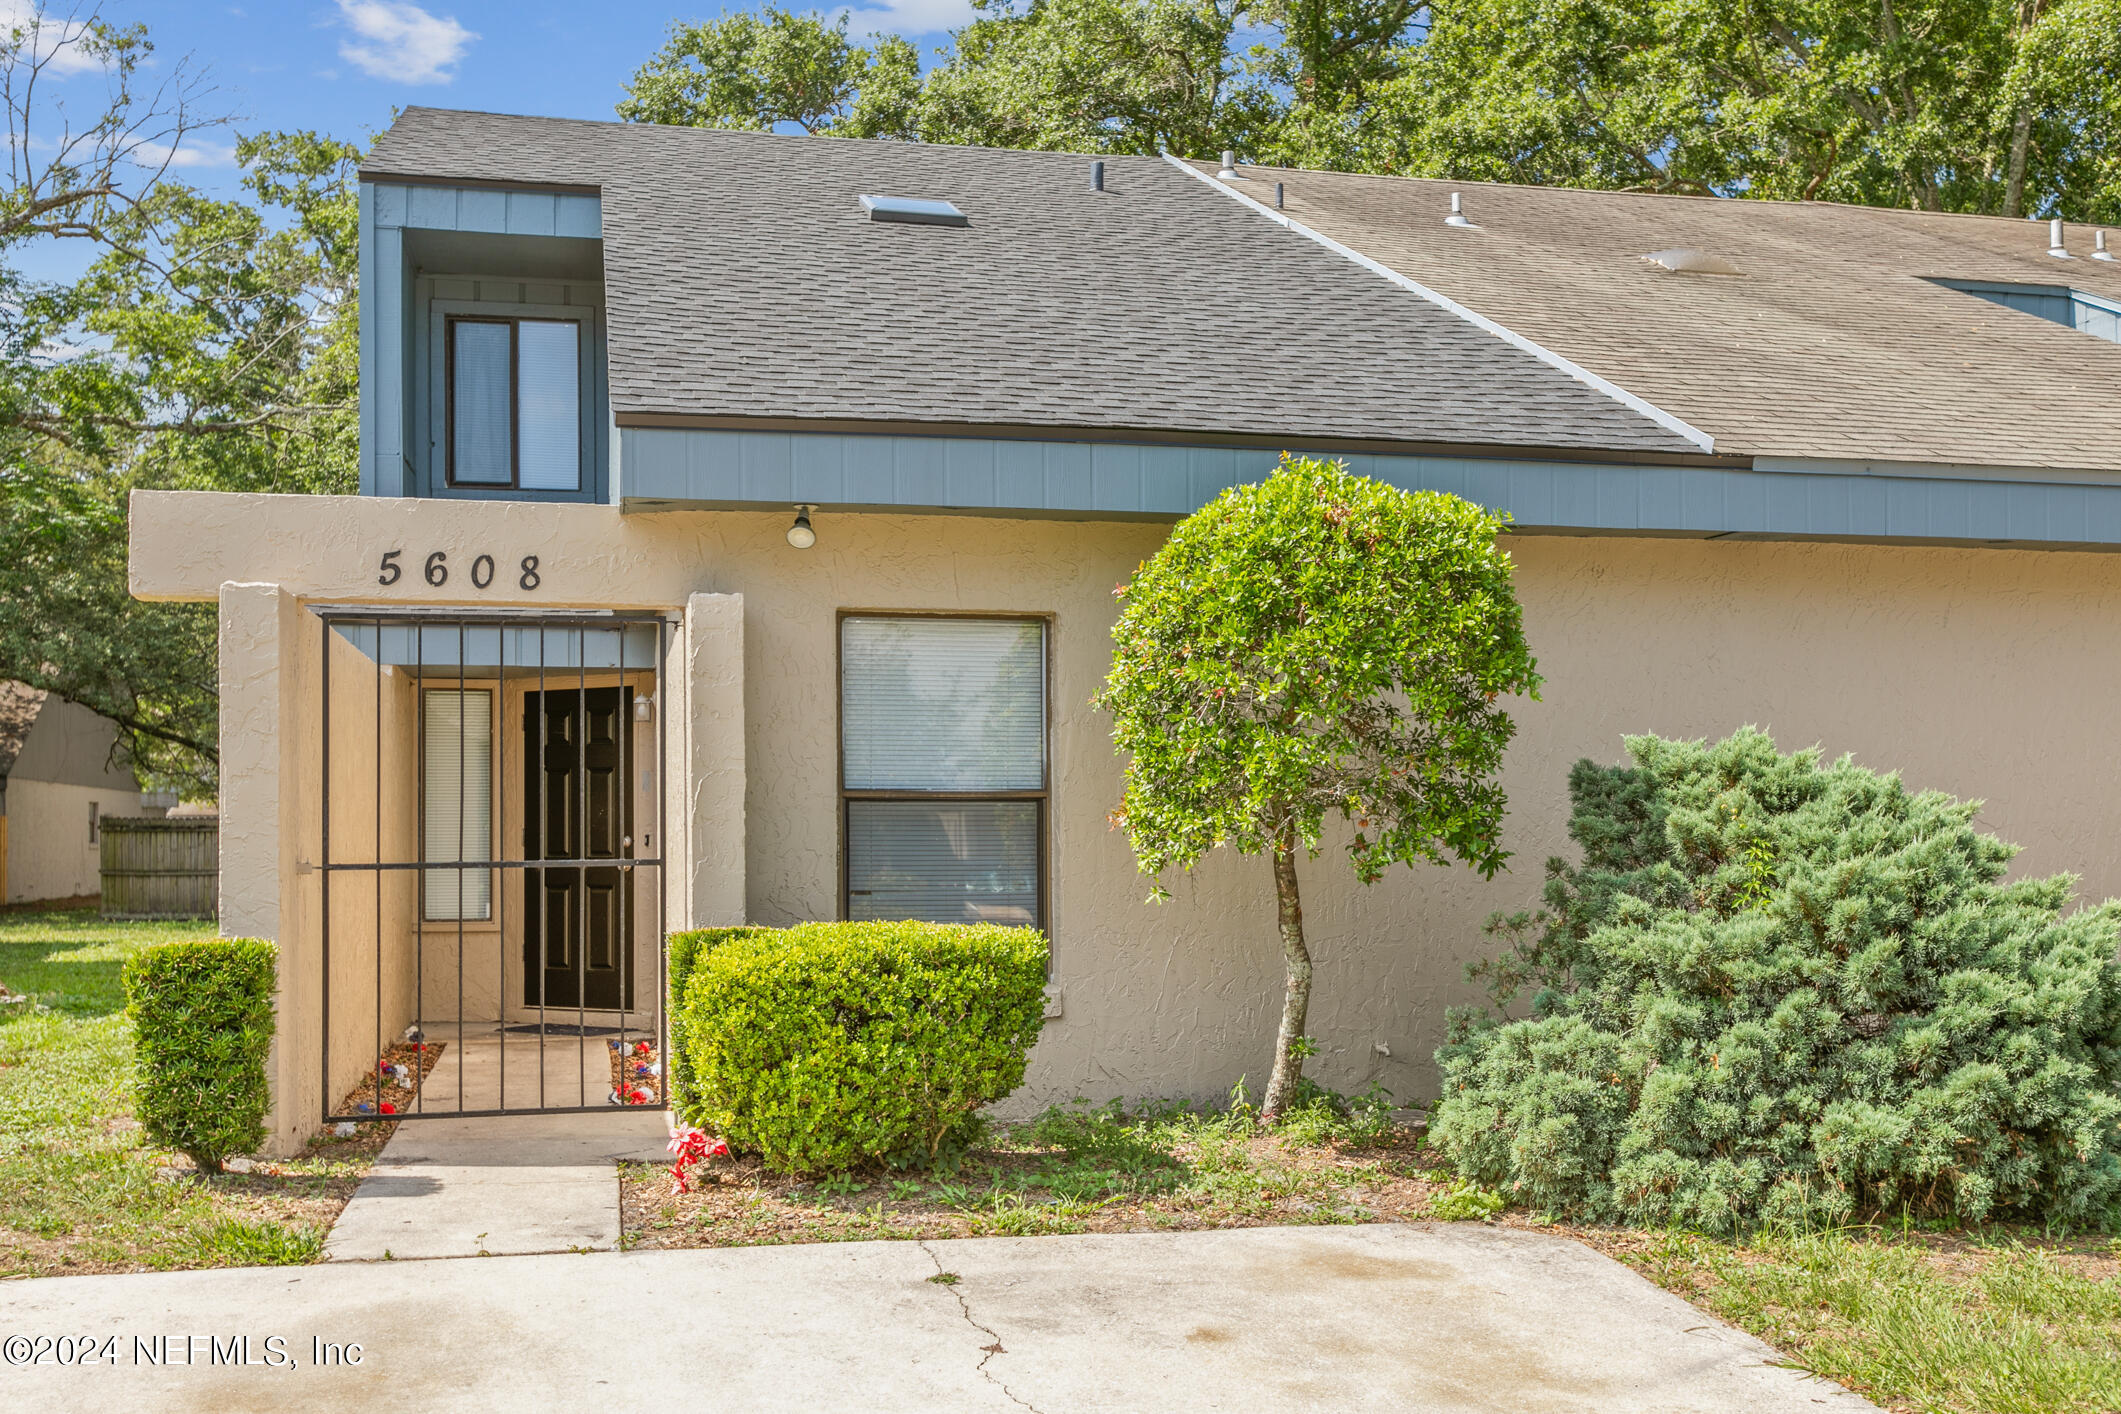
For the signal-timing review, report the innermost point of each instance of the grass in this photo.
(1999, 1324)
(80, 1188)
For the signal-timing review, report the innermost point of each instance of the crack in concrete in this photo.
(988, 1352)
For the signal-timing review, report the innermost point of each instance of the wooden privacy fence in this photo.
(161, 868)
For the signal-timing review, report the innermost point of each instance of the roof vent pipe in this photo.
(2054, 240)
(1229, 171)
(2099, 250)
(1097, 176)
(1458, 215)
(1278, 195)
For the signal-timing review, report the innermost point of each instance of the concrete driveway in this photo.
(1402, 1318)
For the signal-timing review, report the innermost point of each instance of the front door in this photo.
(577, 918)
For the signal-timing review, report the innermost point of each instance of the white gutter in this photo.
(1545, 355)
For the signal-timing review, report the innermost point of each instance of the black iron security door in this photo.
(578, 805)
(492, 884)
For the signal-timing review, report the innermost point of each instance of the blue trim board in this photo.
(673, 468)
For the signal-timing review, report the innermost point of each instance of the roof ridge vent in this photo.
(1458, 215)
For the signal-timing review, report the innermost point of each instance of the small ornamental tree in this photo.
(1317, 644)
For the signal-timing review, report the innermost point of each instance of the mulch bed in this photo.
(401, 1069)
(736, 1202)
(636, 1073)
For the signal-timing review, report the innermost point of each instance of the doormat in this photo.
(556, 1028)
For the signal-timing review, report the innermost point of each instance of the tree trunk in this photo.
(1296, 996)
(2014, 176)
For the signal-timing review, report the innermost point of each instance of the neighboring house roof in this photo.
(19, 706)
(744, 284)
(1835, 341)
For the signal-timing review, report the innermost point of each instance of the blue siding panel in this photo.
(1019, 474)
(1077, 478)
(917, 472)
(483, 209)
(531, 213)
(433, 207)
(581, 216)
(819, 470)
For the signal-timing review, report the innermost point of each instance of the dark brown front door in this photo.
(577, 764)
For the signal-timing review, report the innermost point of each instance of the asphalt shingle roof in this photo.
(744, 281)
(1835, 342)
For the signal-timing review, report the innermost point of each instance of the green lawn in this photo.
(80, 1189)
(1967, 1323)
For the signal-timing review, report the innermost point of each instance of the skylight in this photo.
(1690, 260)
(914, 211)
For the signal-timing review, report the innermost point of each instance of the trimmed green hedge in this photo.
(680, 958)
(828, 1045)
(202, 1017)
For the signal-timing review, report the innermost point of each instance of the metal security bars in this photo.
(491, 859)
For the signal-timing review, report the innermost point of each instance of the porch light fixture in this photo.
(643, 707)
(800, 534)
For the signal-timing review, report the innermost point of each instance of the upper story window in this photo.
(515, 403)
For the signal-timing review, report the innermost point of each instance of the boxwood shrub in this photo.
(680, 959)
(1776, 989)
(828, 1045)
(202, 1017)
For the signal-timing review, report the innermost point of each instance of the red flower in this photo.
(389, 1108)
(693, 1146)
(642, 1048)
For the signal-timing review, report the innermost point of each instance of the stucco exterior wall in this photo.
(50, 854)
(373, 917)
(65, 766)
(1983, 672)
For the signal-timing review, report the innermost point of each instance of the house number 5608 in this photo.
(435, 570)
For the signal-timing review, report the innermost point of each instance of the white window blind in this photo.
(549, 405)
(479, 403)
(943, 861)
(943, 704)
(457, 822)
(931, 706)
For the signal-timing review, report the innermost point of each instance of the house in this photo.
(739, 517)
(60, 773)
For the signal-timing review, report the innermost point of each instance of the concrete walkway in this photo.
(1458, 1318)
(502, 1184)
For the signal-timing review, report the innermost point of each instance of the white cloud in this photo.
(908, 16)
(394, 40)
(54, 38)
(192, 152)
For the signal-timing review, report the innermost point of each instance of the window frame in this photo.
(514, 322)
(491, 690)
(1042, 796)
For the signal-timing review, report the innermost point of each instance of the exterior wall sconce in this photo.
(800, 534)
(643, 707)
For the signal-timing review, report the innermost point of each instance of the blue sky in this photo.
(342, 66)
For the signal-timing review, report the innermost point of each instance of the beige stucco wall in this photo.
(1982, 672)
(50, 854)
(66, 765)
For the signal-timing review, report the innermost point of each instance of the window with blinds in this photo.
(943, 768)
(515, 403)
(456, 819)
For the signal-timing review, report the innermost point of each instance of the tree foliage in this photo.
(211, 343)
(1318, 645)
(1950, 105)
(1780, 989)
